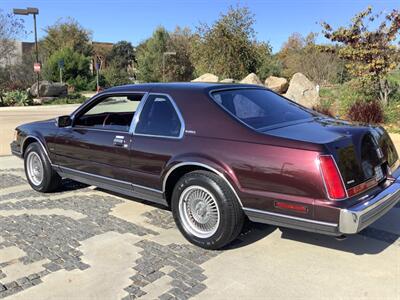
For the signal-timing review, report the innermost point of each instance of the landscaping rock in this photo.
(302, 91)
(277, 84)
(228, 80)
(207, 77)
(49, 89)
(251, 79)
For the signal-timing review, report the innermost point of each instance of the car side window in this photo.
(159, 118)
(111, 113)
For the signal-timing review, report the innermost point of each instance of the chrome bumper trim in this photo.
(356, 218)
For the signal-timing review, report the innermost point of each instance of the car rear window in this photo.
(259, 108)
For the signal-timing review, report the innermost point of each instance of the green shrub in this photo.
(114, 76)
(392, 113)
(73, 98)
(16, 98)
(354, 92)
(92, 85)
(79, 83)
(76, 69)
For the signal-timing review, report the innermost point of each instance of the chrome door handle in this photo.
(119, 140)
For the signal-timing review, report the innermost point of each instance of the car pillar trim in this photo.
(136, 117)
(40, 143)
(204, 166)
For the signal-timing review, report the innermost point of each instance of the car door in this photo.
(157, 134)
(98, 142)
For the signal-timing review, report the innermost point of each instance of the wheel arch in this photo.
(29, 139)
(176, 171)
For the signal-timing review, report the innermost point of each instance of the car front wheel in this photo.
(206, 210)
(38, 170)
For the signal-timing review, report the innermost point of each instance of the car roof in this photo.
(179, 86)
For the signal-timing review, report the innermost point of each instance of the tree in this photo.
(267, 64)
(227, 47)
(302, 54)
(67, 34)
(122, 55)
(76, 67)
(369, 54)
(10, 28)
(179, 67)
(149, 56)
(114, 76)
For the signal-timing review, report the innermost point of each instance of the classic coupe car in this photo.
(217, 154)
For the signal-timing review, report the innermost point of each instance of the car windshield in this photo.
(259, 108)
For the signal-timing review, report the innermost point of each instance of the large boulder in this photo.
(228, 80)
(302, 91)
(207, 77)
(49, 89)
(251, 79)
(277, 84)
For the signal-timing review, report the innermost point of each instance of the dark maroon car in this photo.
(216, 154)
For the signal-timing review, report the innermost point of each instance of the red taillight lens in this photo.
(331, 176)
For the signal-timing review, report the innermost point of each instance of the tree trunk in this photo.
(384, 91)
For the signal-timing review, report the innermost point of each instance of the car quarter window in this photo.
(110, 113)
(260, 108)
(159, 118)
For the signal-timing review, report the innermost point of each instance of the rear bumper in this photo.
(356, 218)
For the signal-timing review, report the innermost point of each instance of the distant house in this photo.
(100, 53)
(20, 49)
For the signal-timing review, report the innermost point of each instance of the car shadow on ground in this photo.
(368, 241)
(68, 185)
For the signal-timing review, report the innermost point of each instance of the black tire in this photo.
(231, 216)
(51, 180)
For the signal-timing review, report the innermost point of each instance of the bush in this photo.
(76, 71)
(79, 83)
(354, 92)
(16, 98)
(72, 98)
(114, 76)
(366, 112)
(323, 110)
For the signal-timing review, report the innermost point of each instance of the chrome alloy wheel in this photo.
(199, 211)
(35, 168)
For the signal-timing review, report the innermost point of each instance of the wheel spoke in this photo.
(199, 211)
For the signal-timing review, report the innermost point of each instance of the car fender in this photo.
(219, 168)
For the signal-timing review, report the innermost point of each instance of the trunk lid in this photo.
(361, 152)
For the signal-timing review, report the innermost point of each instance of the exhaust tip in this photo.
(341, 237)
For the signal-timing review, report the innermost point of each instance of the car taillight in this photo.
(331, 176)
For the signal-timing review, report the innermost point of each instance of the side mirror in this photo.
(64, 121)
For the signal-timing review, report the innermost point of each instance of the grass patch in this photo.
(74, 98)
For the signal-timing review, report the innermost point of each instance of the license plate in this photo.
(378, 173)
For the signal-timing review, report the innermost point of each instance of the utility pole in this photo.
(163, 63)
(32, 11)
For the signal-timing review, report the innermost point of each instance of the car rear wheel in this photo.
(206, 210)
(38, 170)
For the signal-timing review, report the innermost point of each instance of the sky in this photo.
(134, 21)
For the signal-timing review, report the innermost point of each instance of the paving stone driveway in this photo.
(85, 243)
